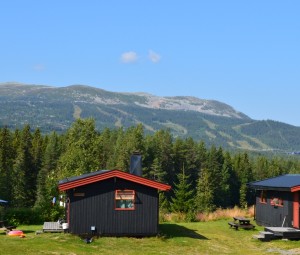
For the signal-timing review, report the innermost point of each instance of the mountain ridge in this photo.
(55, 109)
(150, 101)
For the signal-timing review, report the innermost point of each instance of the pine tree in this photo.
(47, 177)
(6, 164)
(276, 168)
(243, 169)
(192, 161)
(131, 142)
(261, 168)
(204, 200)
(24, 188)
(163, 144)
(228, 184)
(214, 166)
(37, 152)
(182, 200)
(178, 155)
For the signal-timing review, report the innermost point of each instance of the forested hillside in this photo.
(202, 177)
(55, 109)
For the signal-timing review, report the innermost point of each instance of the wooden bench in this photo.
(247, 226)
(10, 228)
(237, 226)
(233, 225)
(52, 227)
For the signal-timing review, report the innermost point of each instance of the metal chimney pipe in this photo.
(136, 164)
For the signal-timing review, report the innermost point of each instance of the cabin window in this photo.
(263, 197)
(275, 201)
(124, 199)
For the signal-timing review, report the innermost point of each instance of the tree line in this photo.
(202, 178)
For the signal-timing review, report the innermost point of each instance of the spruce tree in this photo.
(37, 152)
(6, 164)
(243, 168)
(24, 188)
(47, 177)
(182, 200)
(228, 184)
(204, 200)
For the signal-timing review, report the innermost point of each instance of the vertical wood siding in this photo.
(97, 208)
(274, 216)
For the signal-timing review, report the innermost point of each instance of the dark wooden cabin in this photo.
(277, 201)
(112, 203)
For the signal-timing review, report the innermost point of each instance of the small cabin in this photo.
(113, 202)
(277, 201)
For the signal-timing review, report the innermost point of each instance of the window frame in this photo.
(277, 202)
(129, 193)
(263, 197)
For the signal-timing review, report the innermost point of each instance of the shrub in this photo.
(51, 213)
(23, 216)
(2, 210)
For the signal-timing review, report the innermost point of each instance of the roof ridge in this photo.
(97, 176)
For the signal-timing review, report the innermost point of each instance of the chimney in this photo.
(136, 164)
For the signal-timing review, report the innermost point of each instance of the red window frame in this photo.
(124, 200)
(263, 197)
(277, 202)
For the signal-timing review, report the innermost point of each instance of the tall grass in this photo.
(226, 214)
(208, 216)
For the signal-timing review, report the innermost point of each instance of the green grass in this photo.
(213, 237)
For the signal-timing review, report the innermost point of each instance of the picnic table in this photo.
(241, 222)
(3, 224)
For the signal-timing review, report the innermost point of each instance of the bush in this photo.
(51, 213)
(23, 216)
(1, 212)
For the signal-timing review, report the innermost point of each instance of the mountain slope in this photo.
(52, 108)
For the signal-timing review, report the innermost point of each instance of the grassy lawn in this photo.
(176, 238)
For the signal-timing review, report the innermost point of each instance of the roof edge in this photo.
(66, 185)
(295, 188)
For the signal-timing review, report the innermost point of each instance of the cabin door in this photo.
(296, 211)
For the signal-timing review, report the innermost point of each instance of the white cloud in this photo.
(39, 67)
(129, 57)
(153, 56)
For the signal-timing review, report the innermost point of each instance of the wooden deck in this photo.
(52, 227)
(284, 233)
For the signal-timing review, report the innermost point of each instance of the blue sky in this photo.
(243, 53)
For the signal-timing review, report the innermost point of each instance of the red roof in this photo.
(85, 179)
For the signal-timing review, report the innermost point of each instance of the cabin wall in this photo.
(97, 208)
(270, 215)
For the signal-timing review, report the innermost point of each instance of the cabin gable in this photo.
(94, 206)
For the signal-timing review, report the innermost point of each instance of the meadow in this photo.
(211, 237)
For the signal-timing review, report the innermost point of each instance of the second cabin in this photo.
(277, 201)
